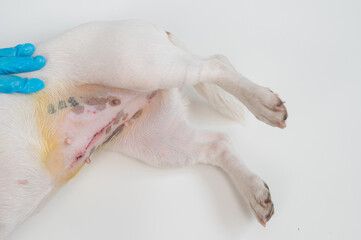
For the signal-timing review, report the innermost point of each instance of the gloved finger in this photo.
(11, 84)
(9, 65)
(21, 50)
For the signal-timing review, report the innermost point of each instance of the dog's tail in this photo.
(220, 99)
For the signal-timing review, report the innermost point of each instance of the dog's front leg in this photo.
(161, 137)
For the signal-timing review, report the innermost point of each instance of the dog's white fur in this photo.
(135, 56)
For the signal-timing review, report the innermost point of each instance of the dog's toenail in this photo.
(285, 117)
(268, 200)
(268, 217)
(263, 221)
(282, 124)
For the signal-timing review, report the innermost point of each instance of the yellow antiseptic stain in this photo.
(47, 128)
(49, 122)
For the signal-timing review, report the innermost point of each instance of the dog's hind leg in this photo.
(161, 137)
(139, 56)
(218, 71)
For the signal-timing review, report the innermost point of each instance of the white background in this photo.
(307, 51)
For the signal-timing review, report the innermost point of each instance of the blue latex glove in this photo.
(19, 60)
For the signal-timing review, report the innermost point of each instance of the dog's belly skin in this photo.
(47, 137)
(35, 158)
(73, 126)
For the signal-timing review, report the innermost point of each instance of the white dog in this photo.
(116, 85)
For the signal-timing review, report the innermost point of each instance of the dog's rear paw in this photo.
(267, 107)
(260, 201)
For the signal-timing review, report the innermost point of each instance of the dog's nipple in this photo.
(23, 181)
(88, 160)
(68, 141)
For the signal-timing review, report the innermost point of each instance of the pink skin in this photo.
(95, 138)
(23, 181)
(98, 135)
(85, 131)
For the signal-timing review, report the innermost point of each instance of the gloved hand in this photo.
(19, 60)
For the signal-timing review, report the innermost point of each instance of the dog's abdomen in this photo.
(73, 126)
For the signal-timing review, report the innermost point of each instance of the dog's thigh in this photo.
(24, 188)
(163, 138)
(160, 137)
